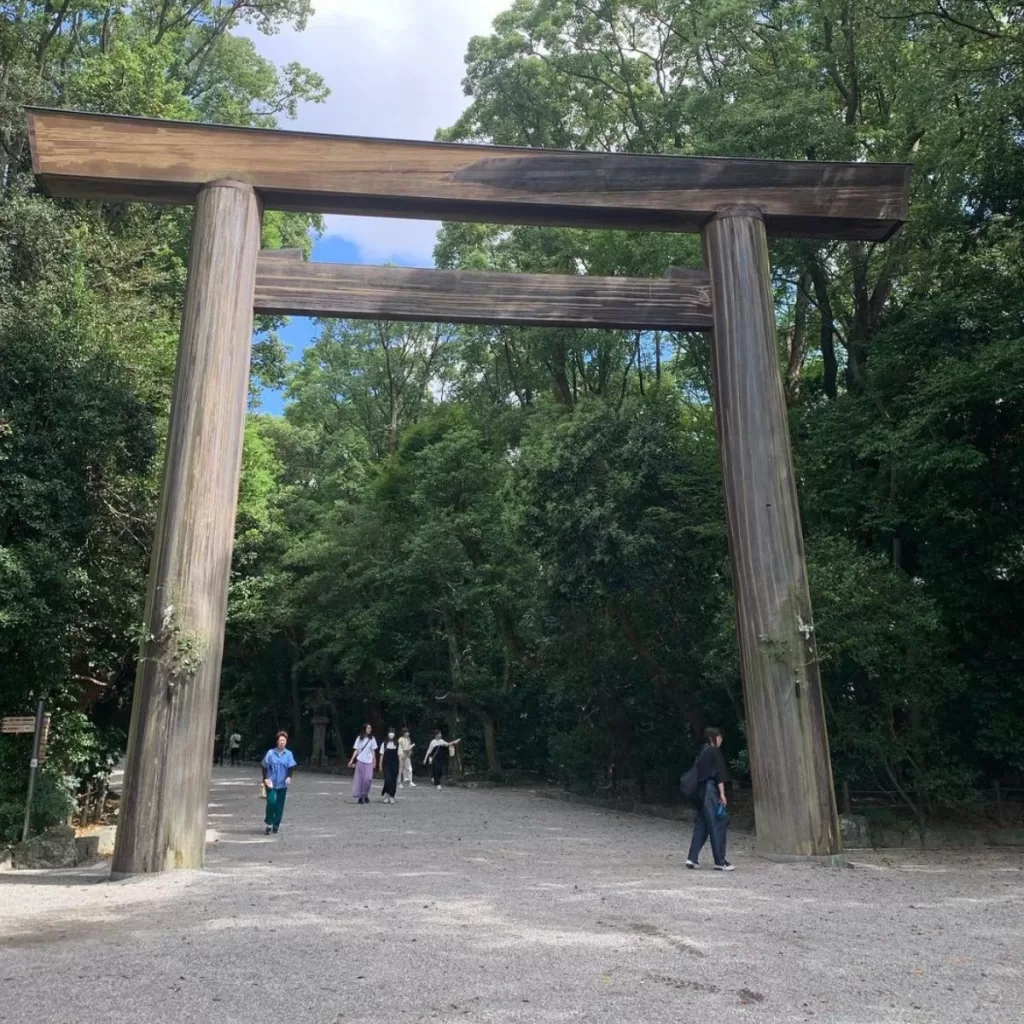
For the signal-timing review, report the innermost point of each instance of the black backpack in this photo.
(689, 783)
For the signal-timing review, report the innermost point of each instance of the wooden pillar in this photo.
(162, 821)
(794, 800)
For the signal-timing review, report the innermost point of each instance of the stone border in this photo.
(856, 833)
(946, 838)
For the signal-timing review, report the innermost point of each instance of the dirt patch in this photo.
(684, 984)
(683, 945)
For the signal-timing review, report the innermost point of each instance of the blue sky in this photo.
(395, 70)
(300, 330)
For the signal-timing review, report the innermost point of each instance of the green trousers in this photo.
(275, 806)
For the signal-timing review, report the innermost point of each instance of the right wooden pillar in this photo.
(794, 799)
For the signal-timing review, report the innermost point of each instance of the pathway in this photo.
(499, 906)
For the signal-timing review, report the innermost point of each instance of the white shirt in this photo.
(434, 744)
(235, 741)
(365, 746)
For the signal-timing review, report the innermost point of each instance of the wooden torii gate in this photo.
(231, 174)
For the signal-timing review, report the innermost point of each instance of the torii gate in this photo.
(231, 174)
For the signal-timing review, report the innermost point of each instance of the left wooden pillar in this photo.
(162, 821)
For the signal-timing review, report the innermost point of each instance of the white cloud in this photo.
(395, 69)
(388, 240)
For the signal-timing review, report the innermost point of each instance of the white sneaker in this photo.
(692, 864)
(724, 867)
(412, 785)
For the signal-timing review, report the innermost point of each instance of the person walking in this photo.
(218, 751)
(709, 818)
(437, 756)
(389, 766)
(405, 749)
(235, 746)
(278, 765)
(364, 757)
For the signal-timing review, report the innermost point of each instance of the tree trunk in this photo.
(490, 740)
(563, 393)
(170, 747)
(795, 356)
(503, 618)
(455, 670)
(830, 365)
(298, 740)
(857, 336)
(794, 799)
(692, 714)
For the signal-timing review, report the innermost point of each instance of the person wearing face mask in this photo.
(389, 766)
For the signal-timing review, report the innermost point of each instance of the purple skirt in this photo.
(363, 780)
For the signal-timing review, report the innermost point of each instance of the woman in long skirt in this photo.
(364, 757)
(389, 766)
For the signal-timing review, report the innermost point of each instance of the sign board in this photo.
(18, 725)
(26, 724)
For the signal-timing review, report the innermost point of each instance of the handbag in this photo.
(263, 791)
(689, 784)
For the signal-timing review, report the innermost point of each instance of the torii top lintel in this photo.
(102, 156)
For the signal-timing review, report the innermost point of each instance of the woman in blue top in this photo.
(277, 777)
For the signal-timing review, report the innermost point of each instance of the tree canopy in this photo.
(519, 532)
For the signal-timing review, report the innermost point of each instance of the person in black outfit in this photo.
(709, 820)
(389, 766)
(437, 756)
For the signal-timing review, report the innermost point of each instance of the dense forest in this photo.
(519, 534)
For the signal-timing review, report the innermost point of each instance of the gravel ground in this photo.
(498, 906)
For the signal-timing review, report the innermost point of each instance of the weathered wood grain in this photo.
(162, 822)
(289, 286)
(789, 756)
(98, 156)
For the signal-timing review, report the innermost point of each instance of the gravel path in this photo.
(499, 906)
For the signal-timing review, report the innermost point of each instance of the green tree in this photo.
(90, 298)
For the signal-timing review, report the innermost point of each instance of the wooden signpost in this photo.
(25, 724)
(13, 726)
(39, 726)
(229, 174)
